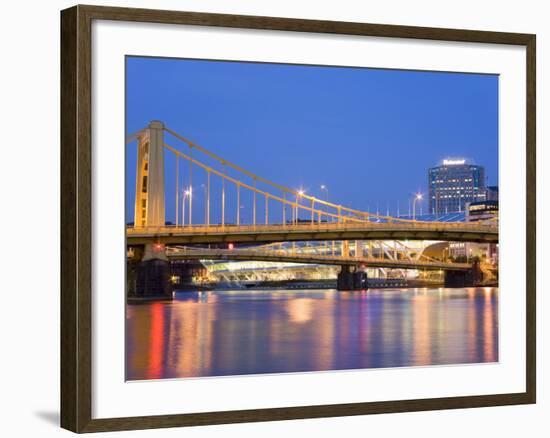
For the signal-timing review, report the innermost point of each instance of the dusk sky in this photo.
(369, 135)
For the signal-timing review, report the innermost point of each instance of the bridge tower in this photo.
(149, 204)
(149, 275)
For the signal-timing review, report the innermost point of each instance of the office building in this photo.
(454, 184)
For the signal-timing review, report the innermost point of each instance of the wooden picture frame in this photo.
(76, 217)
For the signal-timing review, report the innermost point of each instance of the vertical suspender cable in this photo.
(284, 208)
(238, 204)
(208, 198)
(177, 189)
(266, 207)
(223, 197)
(191, 185)
(254, 204)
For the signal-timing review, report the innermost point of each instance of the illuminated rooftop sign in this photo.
(453, 162)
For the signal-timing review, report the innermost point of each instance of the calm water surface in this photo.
(258, 331)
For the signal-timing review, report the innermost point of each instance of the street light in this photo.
(299, 194)
(417, 197)
(186, 193)
(325, 189)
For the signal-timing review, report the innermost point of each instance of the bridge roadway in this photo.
(318, 259)
(443, 231)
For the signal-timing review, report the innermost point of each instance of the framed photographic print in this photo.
(270, 218)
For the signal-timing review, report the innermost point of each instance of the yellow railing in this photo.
(230, 228)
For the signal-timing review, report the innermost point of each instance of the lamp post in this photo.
(417, 197)
(325, 189)
(299, 194)
(185, 195)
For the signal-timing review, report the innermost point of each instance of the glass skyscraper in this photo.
(454, 184)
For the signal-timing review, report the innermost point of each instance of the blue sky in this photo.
(370, 135)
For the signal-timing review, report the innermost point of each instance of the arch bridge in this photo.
(286, 256)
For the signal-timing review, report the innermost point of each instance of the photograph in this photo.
(288, 218)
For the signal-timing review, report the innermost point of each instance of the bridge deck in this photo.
(444, 231)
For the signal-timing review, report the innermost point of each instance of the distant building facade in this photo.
(486, 252)
(454, 184)
(481, 211)
(492, 193)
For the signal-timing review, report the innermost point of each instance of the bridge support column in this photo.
(470, 278)
(345, 279)
(149, 277)
(348, 280)
(360, 280)
(458, 279)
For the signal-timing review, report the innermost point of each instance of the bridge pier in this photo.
(148, 274)
(348, 280)
(345, 279)
(469, 278)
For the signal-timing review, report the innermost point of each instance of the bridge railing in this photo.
(201, 228)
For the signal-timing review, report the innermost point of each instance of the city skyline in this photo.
(355, 175)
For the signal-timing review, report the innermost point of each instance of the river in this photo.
(220, 333)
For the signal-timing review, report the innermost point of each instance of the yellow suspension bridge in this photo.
(276, 214)
(279, 213)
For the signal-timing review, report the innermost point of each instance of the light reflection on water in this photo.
(273, 331)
